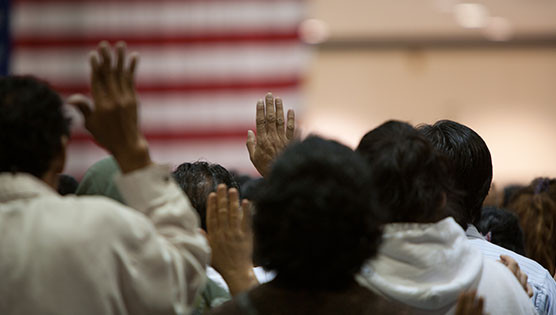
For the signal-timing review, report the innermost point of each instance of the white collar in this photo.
(22, 186)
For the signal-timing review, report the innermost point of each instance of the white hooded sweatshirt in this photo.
(426, 266)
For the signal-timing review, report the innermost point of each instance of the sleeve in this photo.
(161, 256)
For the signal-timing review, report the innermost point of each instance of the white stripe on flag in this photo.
(152, 18)
(173, 63)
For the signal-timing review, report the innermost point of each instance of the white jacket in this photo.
(92, 255)
(426, 266)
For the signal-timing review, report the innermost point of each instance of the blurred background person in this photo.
(535, 206)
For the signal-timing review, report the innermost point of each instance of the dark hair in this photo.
(32, 124)
(470, 158)
(535, 205)
(411, 178)
(503, 227)
(198, 180)
(314, 224)
(67, 184)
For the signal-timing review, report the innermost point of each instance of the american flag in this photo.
(204, 64)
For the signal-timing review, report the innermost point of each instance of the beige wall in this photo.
(507, 95)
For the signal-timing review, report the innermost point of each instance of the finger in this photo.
(106, 62)
(247, 216)
(270, 115)
(82, 103)
(480, 305)
(510, 263)
(222, 201)
(235, 211)
(251, 144)
(530, 290)
(130, 73)
(212, 219)
(95, 72)
(523, 279)
(280, 119)
(260, 120)
(120, 64)
(462, 304)
(290, 128)
(107, 73)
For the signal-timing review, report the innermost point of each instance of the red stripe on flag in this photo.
(191, 87)
(131, 2)
(187, 135)
(40, 41)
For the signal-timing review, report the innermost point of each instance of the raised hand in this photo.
(231, 239)
(112, 120)
(469, 304)
(273, 133)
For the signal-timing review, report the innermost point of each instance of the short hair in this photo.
(411, 178)
(471, 160)
(502, 228)
(198, 180)
(314, 224)
(32, 124)
(67, 185)
(535, 205)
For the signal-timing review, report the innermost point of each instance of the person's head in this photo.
(471, 161)
(198, 180)
(411, 178)
(501, 227)
(33, 128)
(314, 224)
(535, 205)
(67, 185)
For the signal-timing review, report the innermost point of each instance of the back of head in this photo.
(411, 178)
(471, 161)
(198, 180)
(501, 227)
(535, 206)
(32, 124)
(314, 224)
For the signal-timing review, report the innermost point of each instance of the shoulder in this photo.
(85, 219)
(537, 274)
(502, 291)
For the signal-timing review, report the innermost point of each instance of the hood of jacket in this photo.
(425, 266)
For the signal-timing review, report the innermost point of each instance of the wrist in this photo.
(240, 280)
(131, 158)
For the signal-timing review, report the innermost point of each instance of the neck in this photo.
(51, 179)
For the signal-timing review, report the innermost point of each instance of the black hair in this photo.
(198, 180)
(471, 161)
(67, 184)
(504, 229)
(32, 124)
(314, 224)
(411, 178)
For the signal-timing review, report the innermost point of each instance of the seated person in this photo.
(198, 180)
(314, 226)
(90, 255)
(425, 260)
(470, 158)
(99, 180)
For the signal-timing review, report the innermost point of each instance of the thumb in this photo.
(251, 143)
(82, 103)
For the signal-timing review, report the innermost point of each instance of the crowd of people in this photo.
(396, 226)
